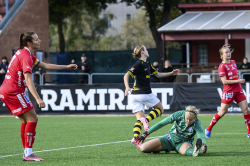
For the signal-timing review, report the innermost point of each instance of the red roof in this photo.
(215, 6)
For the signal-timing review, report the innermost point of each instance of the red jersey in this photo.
(230, 71)
(20, 63)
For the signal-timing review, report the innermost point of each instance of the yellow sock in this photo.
(137, 128)
(153, 114)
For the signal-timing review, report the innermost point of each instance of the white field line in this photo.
(102, 144)
(75, 147)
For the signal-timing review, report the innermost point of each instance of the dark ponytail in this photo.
(25, 38)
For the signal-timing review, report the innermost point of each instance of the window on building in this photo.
(104, 15)
(202, 52)
(110, 20)
(129, 17)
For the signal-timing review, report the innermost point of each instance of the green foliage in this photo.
(105, 140)
(136, 31)
(87, 32)
(60, 11)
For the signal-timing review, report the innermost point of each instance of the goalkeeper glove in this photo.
(204, 148)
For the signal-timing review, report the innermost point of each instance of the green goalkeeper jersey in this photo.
(180, 132)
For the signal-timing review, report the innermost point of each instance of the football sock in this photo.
(215, 119)
(137, 128)
(247, 119)
(27, 152)
(153, 114)
(30, 134)
(189, 151)
(22, 132)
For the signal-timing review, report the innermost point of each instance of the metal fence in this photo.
(191, 78)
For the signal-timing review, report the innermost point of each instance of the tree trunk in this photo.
(61, 36)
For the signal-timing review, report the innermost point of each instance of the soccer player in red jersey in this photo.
(17, 78)
(232, 90)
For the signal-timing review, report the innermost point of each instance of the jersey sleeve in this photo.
(222, 70)
(35, 61)
(199, 131)
(167, 120)
(27, 64)
(160, 124)
(152, 69)
(136, 69)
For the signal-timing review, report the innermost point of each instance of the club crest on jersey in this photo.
(132, 69)
(229, 95)
(190, 129)
(168, 136)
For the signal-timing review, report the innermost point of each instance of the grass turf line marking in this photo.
(75, 147)
(100, 145)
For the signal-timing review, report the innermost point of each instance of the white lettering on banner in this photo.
(129, 105)
(117, 100)
(46, 93)
(102, 93)
(164, 92)
(219, 91)
(66, 100)
(231, 109)
(247, 93)
(82, 97)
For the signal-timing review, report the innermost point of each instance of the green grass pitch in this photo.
(105, 140)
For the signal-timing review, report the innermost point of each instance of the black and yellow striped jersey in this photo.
(141, 73)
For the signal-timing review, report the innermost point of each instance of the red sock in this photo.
(22, 130)
(215, 119)
(247, 119)
(30, 133)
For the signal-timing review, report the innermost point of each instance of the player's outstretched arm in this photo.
(48, 66)
(162, 75)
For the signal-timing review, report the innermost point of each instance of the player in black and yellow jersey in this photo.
(141, 94)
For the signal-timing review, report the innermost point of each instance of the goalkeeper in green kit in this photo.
(180, 137)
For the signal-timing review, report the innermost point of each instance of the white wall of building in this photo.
(247, 49)
(120, 12)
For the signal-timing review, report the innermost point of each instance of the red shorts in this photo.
(17, 104)
(229, 97)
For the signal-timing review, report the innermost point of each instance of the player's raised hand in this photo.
(242, 80)
(175, 72)
(71, 66)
